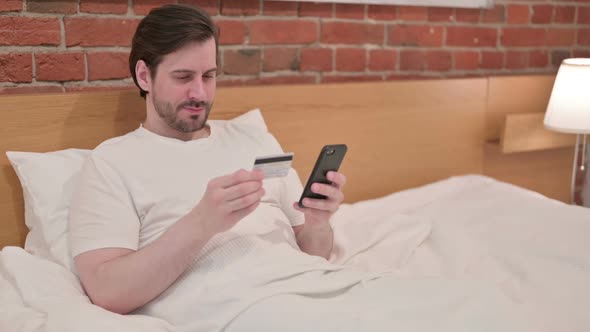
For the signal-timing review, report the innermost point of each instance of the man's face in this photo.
(184, 87)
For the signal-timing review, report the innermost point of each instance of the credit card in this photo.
(274, 166)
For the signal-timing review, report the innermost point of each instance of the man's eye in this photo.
(182, 78)
(209, 76)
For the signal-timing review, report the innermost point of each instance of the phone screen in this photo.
(330, 159)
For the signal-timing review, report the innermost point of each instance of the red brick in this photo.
(581, 54)
(382, 12)
(494, 15)
(412, 60)
(492, 60)
(108, 65)
(381, 60)
(561, 37)
(584, 15)
(557, 56)
(31, 89)
(210, 6)
(349, 11)
(280, 8)
(519, 14)
(351, 78)
(469, 15)
(523, 37)
(104, 7)
(351, 59)
(403, 76)
(564, 14)
(410, 13)
(466, 60)
(464, 75)
(542, 14)
(53, 7)
(316, 9)
(143, 7)
(317, 59)
(231, 82)
(516, 59)
(226, 81)
(223, 81)
(472, 36)
(283, 32)
(415, 35)
(99, 31)
(93, 88)
(241, 62)
(19, 31)
(352, 33)
(59, 66)
(16, 67)
(11, 6)
(441, 14)
(280, 58)
(240, 7)
(439, 60)
(584, 37)
(283, 79)
(231, 31)
(538, 59)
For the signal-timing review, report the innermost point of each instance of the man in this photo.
(130, 247)
(168, 220)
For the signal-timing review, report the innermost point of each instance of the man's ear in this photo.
(142, 73)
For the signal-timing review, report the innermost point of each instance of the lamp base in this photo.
(580, 186)
(585, 183)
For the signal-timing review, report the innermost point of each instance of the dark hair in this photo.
(165, 30)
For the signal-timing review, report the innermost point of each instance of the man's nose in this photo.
(197, 90)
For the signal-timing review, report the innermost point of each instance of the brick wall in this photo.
(71, 45)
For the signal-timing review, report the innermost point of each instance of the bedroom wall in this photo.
(73, 45)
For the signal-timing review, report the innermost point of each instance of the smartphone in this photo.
(329, 159)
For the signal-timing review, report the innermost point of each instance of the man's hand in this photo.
(318, 211)
(316, 237)
(228, 199)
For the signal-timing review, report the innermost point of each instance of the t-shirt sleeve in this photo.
(102, 213)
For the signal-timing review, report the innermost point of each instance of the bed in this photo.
(427, 175)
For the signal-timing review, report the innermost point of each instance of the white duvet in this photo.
(533, 252)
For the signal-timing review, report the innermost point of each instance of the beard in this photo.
(169, 114)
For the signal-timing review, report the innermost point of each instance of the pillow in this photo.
(48, 181)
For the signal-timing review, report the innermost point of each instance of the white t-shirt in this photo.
(134, 187)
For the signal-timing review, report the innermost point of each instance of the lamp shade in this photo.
(569, 106)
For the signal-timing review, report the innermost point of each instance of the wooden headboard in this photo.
(400, 134)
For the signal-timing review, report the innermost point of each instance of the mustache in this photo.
(195, 104)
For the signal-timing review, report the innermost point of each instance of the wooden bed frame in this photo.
(400, 134)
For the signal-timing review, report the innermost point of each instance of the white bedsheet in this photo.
(39, 295)
(533, 250)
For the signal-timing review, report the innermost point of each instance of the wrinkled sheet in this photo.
(434, 239)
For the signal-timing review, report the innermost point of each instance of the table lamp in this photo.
(568, 110)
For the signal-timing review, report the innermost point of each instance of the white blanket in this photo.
(533, 250)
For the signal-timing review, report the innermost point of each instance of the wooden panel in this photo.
(547, 172)
(526, 132)
(515, 94)
(400, 134)
(48, 122)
